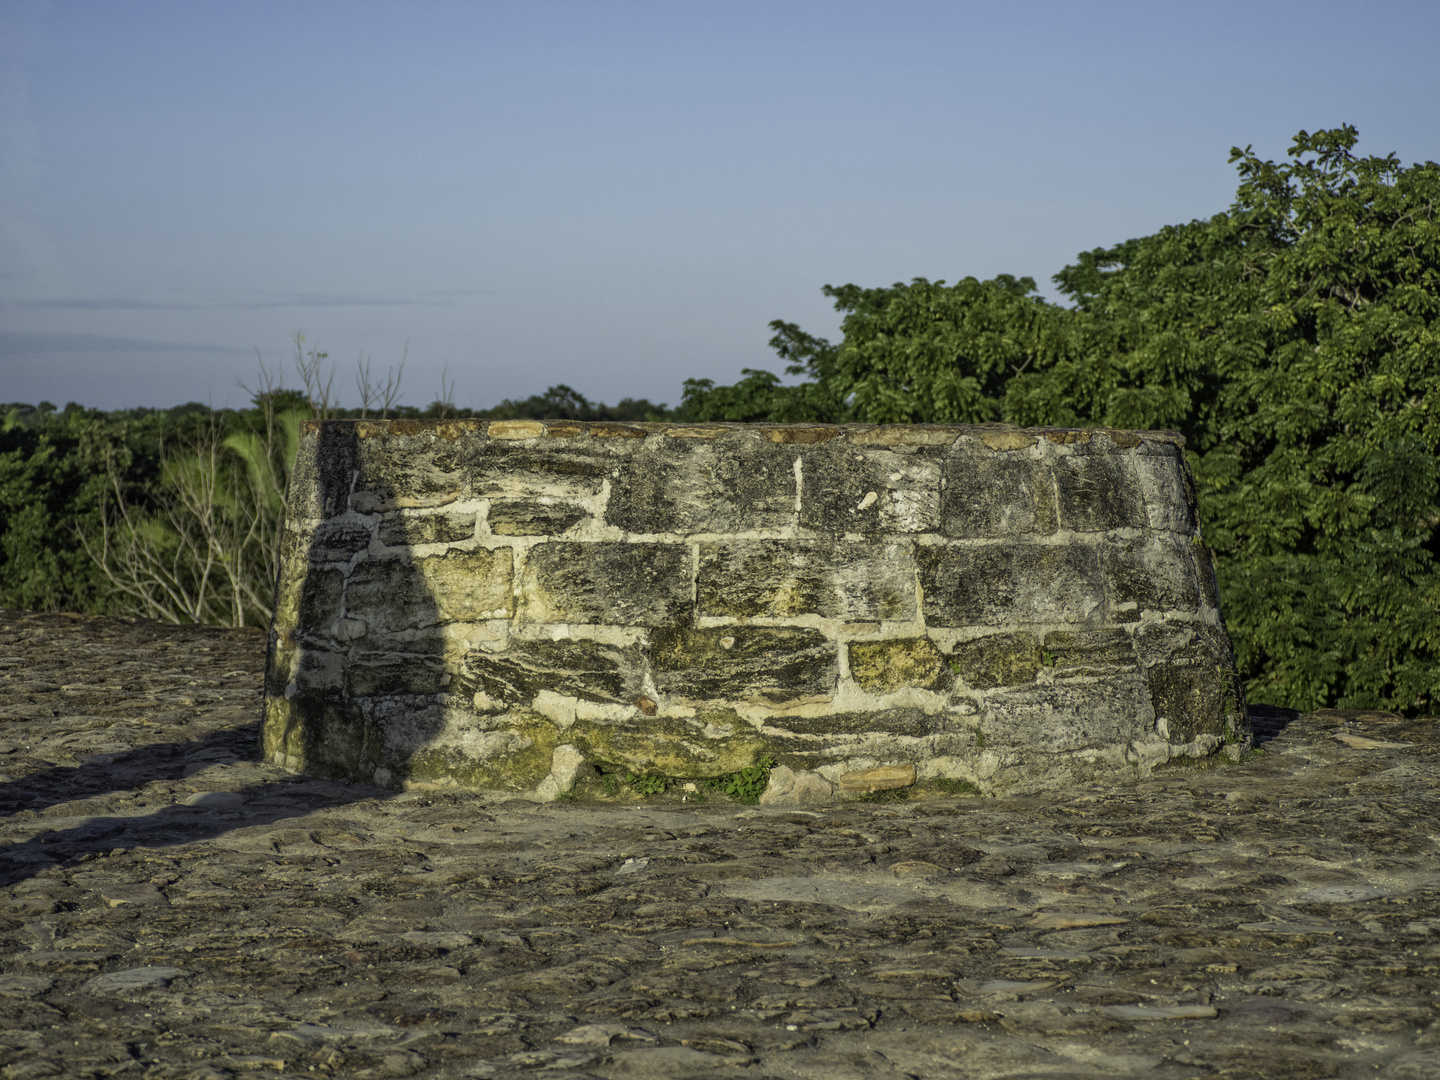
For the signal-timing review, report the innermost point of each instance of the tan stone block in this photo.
(881, 779)
(903, 435)
(516, 429)
(798, 434)
(883, 666)
(1013, 439)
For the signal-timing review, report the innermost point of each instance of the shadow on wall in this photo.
(367, 674)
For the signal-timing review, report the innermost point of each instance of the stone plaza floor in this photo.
(170, 907)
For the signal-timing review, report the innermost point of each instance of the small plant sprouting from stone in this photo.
(747, 785)
(979, 740)
(954, 666)
(956, 787)
(567, 796)
(648, 785)
(610, 784)
(1047, 659)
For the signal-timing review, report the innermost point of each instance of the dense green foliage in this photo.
(1293, 339)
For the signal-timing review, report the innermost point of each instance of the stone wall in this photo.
(512, 604)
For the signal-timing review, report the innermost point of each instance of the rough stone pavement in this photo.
(171, 908)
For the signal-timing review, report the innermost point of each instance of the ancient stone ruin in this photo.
(510, 605)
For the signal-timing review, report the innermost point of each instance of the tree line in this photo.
(1293, 339)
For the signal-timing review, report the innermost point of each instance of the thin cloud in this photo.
(39, 343)
(259, 301)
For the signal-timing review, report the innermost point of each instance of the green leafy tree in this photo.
(1293, 339)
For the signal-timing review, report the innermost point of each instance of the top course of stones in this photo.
(504, 604)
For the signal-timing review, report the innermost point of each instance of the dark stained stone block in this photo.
(338, 540)
(590, 670)
(460, 586)
(783, 578)
(618, 583)
(885, 666)
(1004, 584)
(734, 483)
(1082, 653)
(998, 660)
(320, 597)
(402, 530)
(990, 495)
(564, 468)
(377, 673)
(1070, 715)
(1156, 573)
(531, 517)
(1192, 678)
(875, 490)
(912, 723)
(1098, 491)
(743, 663)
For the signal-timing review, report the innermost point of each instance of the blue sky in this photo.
(614, 195)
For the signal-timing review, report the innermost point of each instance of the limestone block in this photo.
(1084, 653)
(998, 660)
(404, 529)
(560, 469)
(715, 742)
(853, 581)
(1165, 483)
(338, 540)
(542, 516)
(1066, 716)
(884, 666)
(617, 583)
(1098, 491)
(1009, 584)
(870, 490)
(1154, 573)
(734, 483)
(991, 495)
(772, 665)
(789, 787)
(589, 670)
(406, 594)
(372, 673)
(884, 778)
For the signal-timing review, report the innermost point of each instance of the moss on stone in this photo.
(883, 666)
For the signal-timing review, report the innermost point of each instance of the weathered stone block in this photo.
(771, 665)
(403, 529)
(990, 495)
(372, 673)
(1009, 584)
(1066, 716)
(732, 484)
(617, 583)
(589, 670)
(1155, 573)
(534, 517)
(785, 578)
(884, 666)
(1098, 491)
(871, 490)
(393, 595)
(998, 660)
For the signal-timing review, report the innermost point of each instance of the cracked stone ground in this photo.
(172, 908)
